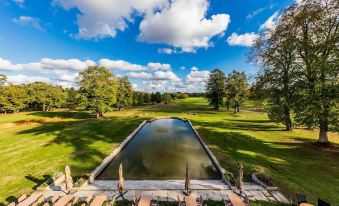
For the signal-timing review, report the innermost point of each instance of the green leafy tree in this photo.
(99, 88)
(135, 99)
(157, 97)
(180, 95)
(45, 97)
(12, 98)
(124, 93)
(73, 99)
(147, 98)
(140, 98)
(278, 78)
(167, 98)
(215, 89)
(236, 89)
(316, 36)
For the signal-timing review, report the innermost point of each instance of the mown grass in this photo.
(30, 154)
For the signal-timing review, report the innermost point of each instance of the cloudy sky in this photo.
(161, 45)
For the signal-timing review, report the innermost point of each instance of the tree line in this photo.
(100, 91)
(299, 67)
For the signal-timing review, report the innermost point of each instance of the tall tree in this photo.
(167, 98)
(236, 89)
(124, 93)
(140, 98)
(157, 97)
(275, 51)
(147, 98)
(99, 87)
(12, 98)
(317, 38)
(215, 88)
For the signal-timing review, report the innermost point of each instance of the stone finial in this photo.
(68, 178)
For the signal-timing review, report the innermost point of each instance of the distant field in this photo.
(29, 154)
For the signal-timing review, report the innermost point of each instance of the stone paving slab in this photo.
(279, 197)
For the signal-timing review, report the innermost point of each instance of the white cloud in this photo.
(120, 65)
(196, 76)
(29, 21)
(158, 66)
(255, 13)
(169, 75)
(48, 64)
(183, 24)
(160, 86)
(65, 64)
(271, 22)
(194, 68)
(65, 84)
(246, 39)
(103, 18)
(139, 75)
(7, 65)
(20, 3)
(65, 77)
(166, 51)
(23, 79)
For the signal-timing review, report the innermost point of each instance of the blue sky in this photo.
(161, 45)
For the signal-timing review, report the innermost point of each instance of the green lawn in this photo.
(29, 154)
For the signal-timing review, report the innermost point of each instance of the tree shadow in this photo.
(39, 181)
(293, 165)
(9, 199)
(243, 125)
(63, 114)
(82, 136)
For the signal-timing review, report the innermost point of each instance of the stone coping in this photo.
(108, 185)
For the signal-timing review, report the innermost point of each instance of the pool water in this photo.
(160, 150)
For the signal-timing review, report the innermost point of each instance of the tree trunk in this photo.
(227, 106)
(238, 108)
(236, 104)
(323, 138)
(5, 111)
(97, 115)
(288, 120)
(44, 107)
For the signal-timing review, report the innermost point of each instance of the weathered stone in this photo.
(280, 197)
(259, 195)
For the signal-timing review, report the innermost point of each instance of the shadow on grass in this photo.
(39, 181)
(81, 135)
(251, 125)
(64, 114)
(295, 166)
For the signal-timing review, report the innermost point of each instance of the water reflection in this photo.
(160, 150)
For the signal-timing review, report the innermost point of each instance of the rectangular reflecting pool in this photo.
(160, 150)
